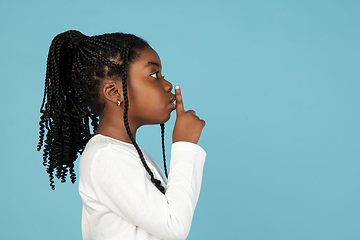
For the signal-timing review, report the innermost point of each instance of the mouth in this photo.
(172, 102)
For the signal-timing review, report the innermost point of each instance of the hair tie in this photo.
(77, 40)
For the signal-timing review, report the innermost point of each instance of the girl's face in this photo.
(150, 97)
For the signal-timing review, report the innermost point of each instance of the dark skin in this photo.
(150, 102)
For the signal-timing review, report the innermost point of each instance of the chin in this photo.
(165, 119)
(158, 121)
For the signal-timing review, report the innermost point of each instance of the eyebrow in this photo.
(152, 63)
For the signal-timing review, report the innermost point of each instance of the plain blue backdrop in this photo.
(277, 82)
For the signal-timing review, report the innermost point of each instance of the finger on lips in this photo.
(180, 105)
(179, 101)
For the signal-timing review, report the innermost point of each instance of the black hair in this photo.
(76, 65)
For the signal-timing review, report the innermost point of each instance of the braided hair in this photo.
(76, 65)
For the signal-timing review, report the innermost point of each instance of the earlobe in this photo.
(112, 92)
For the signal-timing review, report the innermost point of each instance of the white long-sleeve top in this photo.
(121, 202)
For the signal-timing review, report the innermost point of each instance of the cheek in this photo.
(147, 100)
(137, 95)
(151, 96)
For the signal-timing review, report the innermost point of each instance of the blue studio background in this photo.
(277, 82)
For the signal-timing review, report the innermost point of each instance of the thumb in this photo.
(179, 101)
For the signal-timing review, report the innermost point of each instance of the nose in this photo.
(167, 86)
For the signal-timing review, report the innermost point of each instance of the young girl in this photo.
(117, 77)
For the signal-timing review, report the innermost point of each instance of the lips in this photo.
(172, 99)
(172, 102)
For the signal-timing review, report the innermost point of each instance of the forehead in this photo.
(148, 57)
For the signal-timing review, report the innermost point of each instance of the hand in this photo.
(188, 126)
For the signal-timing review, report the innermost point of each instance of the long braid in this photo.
(162, 126)
(76, 65)
(126, 122)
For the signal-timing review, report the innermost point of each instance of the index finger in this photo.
(179, 100)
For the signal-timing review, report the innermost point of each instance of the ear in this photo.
(112, 91)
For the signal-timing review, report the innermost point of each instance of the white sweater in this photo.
(120, 201)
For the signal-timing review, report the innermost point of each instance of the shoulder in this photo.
(106, 161)
(102, 149)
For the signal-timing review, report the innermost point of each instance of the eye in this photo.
(155, 75)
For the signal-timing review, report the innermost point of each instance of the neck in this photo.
(112, 125)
